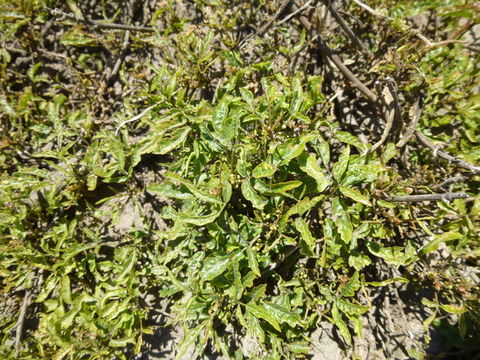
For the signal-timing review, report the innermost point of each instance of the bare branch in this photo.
(21, 320)
(427, 197)
(346, 28)
(337, 61)
(445, 155)
(99, 24)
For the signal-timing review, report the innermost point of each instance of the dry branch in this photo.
(99, 24)
(337, 61)
(445, 155)
(21, 320)
(427, 197)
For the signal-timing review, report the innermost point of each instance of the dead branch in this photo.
(346, 28)
(427, 197)
(265, 26)
(445, 155)
(21, 320)
(98, 24)
(337, 61)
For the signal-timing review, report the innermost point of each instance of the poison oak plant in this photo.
(267, 230)
(274, 213)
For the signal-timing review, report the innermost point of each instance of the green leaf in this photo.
(437, 239)
(261, 312)
(307, 241)
(358, 261)
(264, 169)
(323, 149)
(275, 189)
(225, 182)
(386, 282)
(252, 260)
(341, 165)
(290, 150)
(219, 115)
(65, 291)
(309, 165)
(166, 145)
(214, 266)
(247, 96)
(169, 190)
(355, 195)
(199, 220)
(299, 347)
(76, 37)
(300, 208)
(342, 327)
(251, 195)
(200, 194)
(121, 343)
(395, 255)
(351, 286)
(453, 309)
(67, 319)
(389, 153)
(282, 314)
(348, 138)
(342, 220)
(350, 308)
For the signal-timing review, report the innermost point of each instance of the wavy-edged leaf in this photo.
(437, 239)
(309, 165)
(276, 189)
(395, 255)
(341, 325)
(214, 266)
(350, 308)
(355, 195)
(264, 169)
(282, 314)
(169, 190)
(261, 312)
(300, 208)
(200, 194)
(307, 241)
(341, 165)
(386, 282)
(352, 285)
(342, 220)
(358, 261)
(290, 149)
(199, 220)
(166, 145)
(350, 139)
(252, 260)
(251, 195)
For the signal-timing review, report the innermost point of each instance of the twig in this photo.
(427, 197)
(337, 61)
(417, 113)
(136, 117)
(21, 321)
(416, 32)
(449, 181)
(288, 17)
(120, 58)
(98, 24)
(389, 101)
(346, 28)
(445, 155)
(265, 26)
(370, 10)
